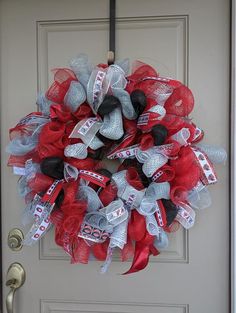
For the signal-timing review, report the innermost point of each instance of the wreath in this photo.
(157, 176)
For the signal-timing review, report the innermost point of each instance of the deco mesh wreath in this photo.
(91, 114)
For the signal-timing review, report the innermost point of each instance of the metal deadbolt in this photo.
(15, 239)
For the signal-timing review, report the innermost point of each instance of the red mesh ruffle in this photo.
(60, 113)
(146, 142)
(108, 194)
(84, 111)
(40, 183)
(52, 140)
(183, 166)
(133, 178)
(100, 250)
(180, 102)
(62, 80)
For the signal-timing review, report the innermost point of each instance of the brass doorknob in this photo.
(15, 239)
(15, 279)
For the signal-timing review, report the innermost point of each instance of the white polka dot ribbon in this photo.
(126, 153)
(208, 173)
(43, 208)
(186, 216)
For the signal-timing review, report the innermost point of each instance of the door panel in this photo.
(185, 40)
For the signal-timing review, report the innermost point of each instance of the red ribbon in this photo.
(144, 242)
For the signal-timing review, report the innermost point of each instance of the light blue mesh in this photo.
(43, 104)
(75, 96)
(82, 68)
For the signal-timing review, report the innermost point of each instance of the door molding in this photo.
(232, 160)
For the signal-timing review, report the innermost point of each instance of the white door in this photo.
(188, 40)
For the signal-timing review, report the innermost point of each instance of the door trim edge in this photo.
(232, 160)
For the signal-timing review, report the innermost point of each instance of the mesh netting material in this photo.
(151, 225)
(75, 96)
(126, 104)
(112, 126)
(62, 80)
(150, 166)
(215, 154)
(180, 102)
(119, 235)
(133, 178)
(23, 145)
(77, 150)
(82, 68)
(89, 195)
(96, 143)
(158, 191)
(43, 103)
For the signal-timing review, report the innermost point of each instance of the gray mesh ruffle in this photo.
(96, 143)
(158, 191)
(43, 104)
(120, 180)
(151, 225)
(161, 242)
(82, 68)
(215, 154)
(89, 194)
(118, 237)
(153, 164)
(126, 104)
(22, 145)
(199, 198)
(124, 64)
(77, 150)
(75, 96)
(112, 126)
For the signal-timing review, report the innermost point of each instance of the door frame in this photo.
(232, 171)
(232, 160)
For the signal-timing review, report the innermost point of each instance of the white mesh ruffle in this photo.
(158, 191)
(124, 64)
(112, 126)
(75, 96)
(199, 198)
(96, 143)
(151, 225)
(77, 150)
(118, 237)
(153, 164)
(126, 104)
(82, 68)
(88, 194)
(22, 145)
(215, 154)
(161, 242)
(43, 104)
(148, 206)
(119, 179)
(70, 172)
